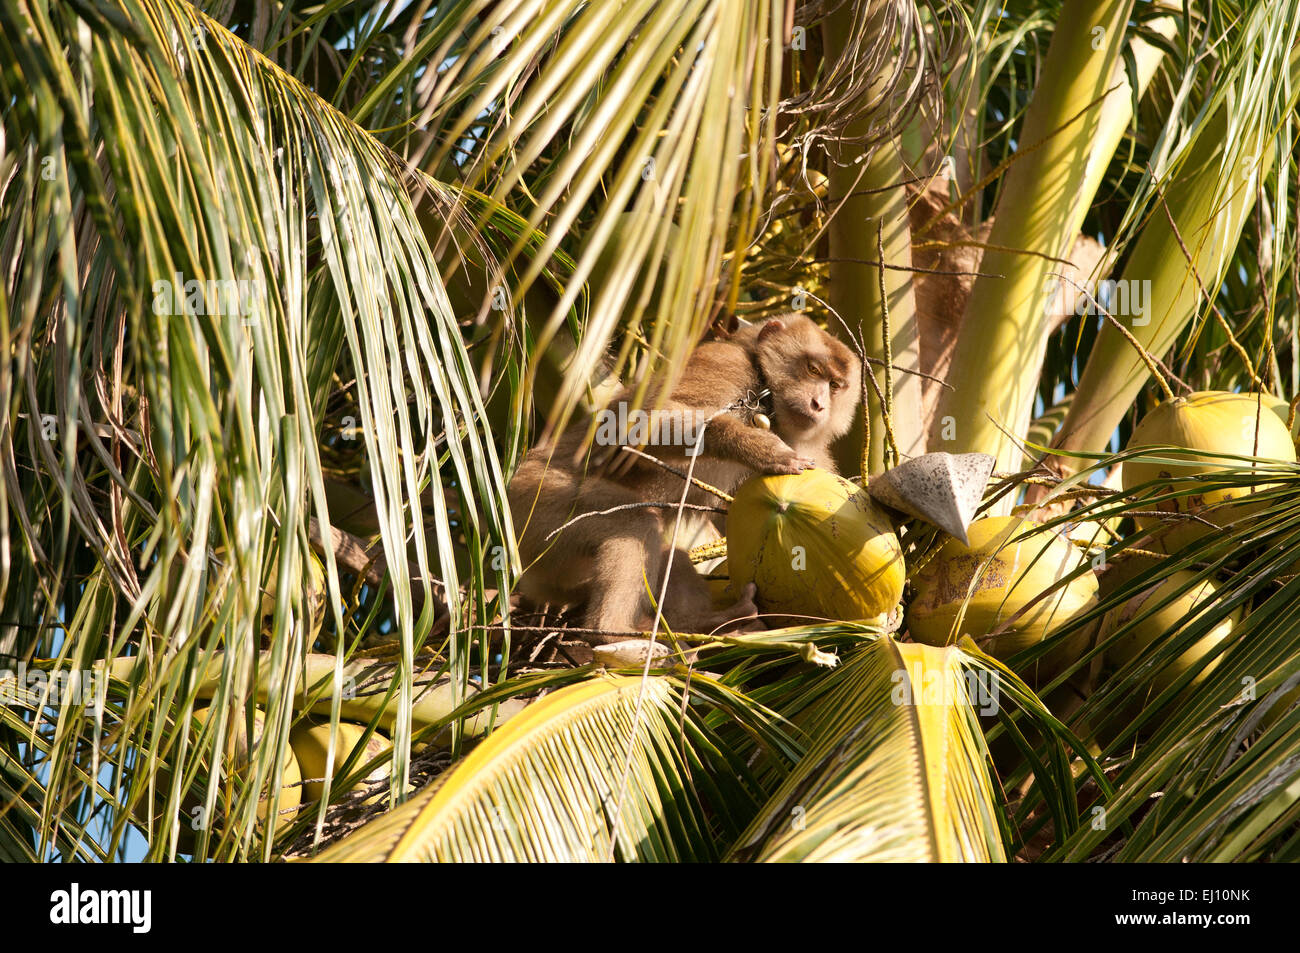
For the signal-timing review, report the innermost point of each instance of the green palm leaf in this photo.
(614, 137)
(614, 767)
(896, 769)
(184, 461)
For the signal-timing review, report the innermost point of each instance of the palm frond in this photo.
(161, 155)
(896, 769)
(1180, 234)
(614, 767)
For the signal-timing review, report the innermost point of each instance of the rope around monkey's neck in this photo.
(759, 405)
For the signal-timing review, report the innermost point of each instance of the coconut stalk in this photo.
(870, 209)
(1003, 335)
(941, 299)
(1209, 203)
(1116, 114)
(1117, 108)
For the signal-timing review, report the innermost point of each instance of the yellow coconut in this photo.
(996, 581)
(1214, 422)
(815, 545)
(1282, 408)
(1164, 623)
(311, 745)
(236, 765)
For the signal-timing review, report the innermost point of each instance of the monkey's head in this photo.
(814, 378)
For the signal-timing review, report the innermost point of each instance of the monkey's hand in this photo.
(743, 616)
(787, 461)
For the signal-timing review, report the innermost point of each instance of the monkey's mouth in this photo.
(798, 419)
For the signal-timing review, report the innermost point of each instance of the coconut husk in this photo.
(943, 489)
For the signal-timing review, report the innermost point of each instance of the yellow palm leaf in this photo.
(557, 783)
(896, 771)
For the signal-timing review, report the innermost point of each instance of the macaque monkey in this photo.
(786, 373)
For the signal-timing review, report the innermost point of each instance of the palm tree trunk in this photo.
(870, 204)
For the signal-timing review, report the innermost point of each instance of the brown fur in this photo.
(605, 562)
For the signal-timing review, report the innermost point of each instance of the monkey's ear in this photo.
(770, 328)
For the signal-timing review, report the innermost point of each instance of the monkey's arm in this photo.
(718, 377)
(681, 431)
(728, 437)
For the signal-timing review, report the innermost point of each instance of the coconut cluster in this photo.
(303, 770)
(818, 548)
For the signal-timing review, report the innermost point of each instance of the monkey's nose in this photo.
(817, 405)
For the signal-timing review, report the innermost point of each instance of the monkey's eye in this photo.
(814, 369)
(836, 384)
